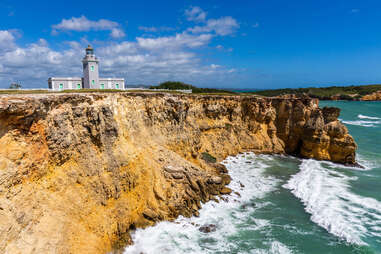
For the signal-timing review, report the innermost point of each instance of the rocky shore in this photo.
(78, 172)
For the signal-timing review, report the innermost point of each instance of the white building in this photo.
(90, 79)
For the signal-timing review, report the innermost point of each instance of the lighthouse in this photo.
(90, 79)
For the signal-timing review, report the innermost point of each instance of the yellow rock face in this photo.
(79, 171)
(376, 96)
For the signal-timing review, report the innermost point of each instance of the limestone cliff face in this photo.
(79, 171)
(376, 96)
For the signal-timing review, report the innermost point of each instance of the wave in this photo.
(362, 123)
(368, 117)
(326, 195)
(183, 235)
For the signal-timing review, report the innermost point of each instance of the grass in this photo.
(208, 158)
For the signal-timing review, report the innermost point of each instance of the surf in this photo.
(230, 215)
(368, 117)
(326, 196)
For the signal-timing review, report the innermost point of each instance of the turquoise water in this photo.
(283, 204)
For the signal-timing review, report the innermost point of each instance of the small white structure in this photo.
(90, 79)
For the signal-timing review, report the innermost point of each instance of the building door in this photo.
(78, 86)
(61, 86)
(117, 86)
(102, 86)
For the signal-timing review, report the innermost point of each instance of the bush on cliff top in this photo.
(176, 85)
(325, 93)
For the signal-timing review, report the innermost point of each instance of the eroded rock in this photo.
(79, 171)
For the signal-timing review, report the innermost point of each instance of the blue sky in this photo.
(231, 44)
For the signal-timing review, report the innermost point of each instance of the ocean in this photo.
(282, 204)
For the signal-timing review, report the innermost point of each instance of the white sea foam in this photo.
(183, 235)
(327, 197)
(368, 117)
(362, 123)
(369, 121)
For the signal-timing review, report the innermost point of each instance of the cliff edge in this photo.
(79, 171)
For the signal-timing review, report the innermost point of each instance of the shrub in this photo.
(208, 158)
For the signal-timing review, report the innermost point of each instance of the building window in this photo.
(117, 86)
(78, 86)
(102, 86)
(93, 82)
(92, 67)
(61, 86)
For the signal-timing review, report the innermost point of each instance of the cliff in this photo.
(376, 96)
(79, 171)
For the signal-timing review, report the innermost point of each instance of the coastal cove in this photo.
(282, 204)
(80, 171)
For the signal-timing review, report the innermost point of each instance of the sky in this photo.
(257, 44)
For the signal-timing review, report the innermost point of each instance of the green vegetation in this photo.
(176, 85)
(15, 86)
(42, 91)
(208, 158)
(325, 93)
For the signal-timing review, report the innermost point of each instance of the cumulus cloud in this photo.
(222, 26)
(143, 60)
(82, 24)
(171, 42)
(6, 40)
(196, 14)
(147, 61)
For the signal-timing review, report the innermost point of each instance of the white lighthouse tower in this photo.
(90, 69)
(90, 77)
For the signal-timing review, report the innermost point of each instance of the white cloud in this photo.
(82, 24)
(117, 33)
(355, 10)
(144, 60)
(153, 29)
(179, 40)
(6, 40)
(222, 26)
(196, 14)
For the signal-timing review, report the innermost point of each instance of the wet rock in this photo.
(208, 228)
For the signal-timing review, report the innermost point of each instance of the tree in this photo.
(15, 86)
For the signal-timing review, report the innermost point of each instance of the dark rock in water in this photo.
(208, 228)
(241, 184)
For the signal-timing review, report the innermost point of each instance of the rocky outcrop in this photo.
(376, 96)
(79, 171)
